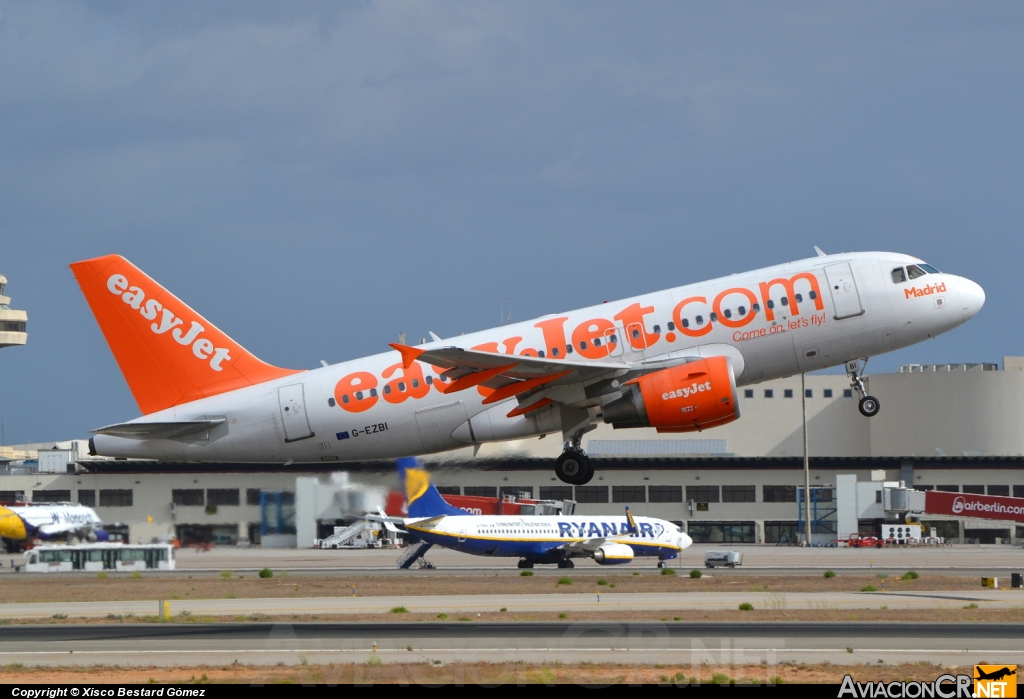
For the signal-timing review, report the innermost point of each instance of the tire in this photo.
(574, 468)
(525, 564)
(869, 406)
(566, 563)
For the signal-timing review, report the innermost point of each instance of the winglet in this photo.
(632, 522)
(409, 354)
(821, 253)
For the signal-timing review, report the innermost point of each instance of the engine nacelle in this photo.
(685, 398)
(613, 554)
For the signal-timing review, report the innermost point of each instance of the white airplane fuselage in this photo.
(840, 308)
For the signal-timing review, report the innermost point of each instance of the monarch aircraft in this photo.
(19, 524)
(671, 360)
(533, 539)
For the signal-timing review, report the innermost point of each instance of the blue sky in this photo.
(317, 177)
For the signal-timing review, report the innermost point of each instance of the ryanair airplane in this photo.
(19, 524)
(556, 539)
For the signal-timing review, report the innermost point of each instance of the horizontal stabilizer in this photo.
(161, 430)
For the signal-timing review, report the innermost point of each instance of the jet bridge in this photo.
(903, 500)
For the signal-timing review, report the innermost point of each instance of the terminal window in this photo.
(449, 489)
(748, 393)
(847, 393)
(12, 496)
(222, 496)
(827, 392)
(809, 393)
(788, 393)
(721, 532)
(781, 532)
(975, 489)
(1018, 491)
(252, 496)
(481, 491)
(999, 490)
(665, 493)
(115, 498)
(188, 497)
(702, 493)
(87, 498)
(591, 493)
(738, 493)
(948, 488)
(51, 496)
(779, 493)
(556, 492)
(769, 393)
(629, 493)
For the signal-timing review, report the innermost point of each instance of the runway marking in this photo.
(462, 651)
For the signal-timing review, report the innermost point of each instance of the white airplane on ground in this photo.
(533, 539)
(21, 523)
(670, 360)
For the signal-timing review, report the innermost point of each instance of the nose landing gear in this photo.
(868, 405)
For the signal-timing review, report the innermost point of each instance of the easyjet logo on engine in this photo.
(926, 290)
(687, 391)
(165, 320)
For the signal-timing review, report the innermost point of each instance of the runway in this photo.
(512, 603)
(679, 644)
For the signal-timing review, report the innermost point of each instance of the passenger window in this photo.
(597, 341)
(636, 333)
(770, 303)
(671, 326)
(568, 349)
(756, 307)
(784, 300)
(373, 392)
(554, 351)
(415, 383)
(929, 269)
(742, 311)
(799, 298)
(913, 271)
(714, 317)
(401, 386)
(657, 329)
(583, 344)
(727, 313)
(898, 276)
(540, 353)
(686, 323)
(813, 294)
(700, 320)
(430, 380)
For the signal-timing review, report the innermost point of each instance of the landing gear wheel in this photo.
(574, 467)
(869, 406)
(661, 564)
(525, 564)
(566, 563)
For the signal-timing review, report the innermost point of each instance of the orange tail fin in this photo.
(168, 353)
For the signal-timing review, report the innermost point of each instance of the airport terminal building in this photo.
(945, 427)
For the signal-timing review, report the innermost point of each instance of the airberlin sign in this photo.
(970, 505)
(597, 338)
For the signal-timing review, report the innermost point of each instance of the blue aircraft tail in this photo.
(421, 497)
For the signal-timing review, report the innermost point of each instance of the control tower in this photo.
(12, 323)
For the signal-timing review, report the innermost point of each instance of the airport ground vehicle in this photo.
(99, 557)
(728, 559)
(671, 360)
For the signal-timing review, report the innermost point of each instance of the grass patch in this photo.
(136, 575)
(911, 575)
(668, 571)
(602, 581)
(503, 609)
(59, 616)
(720, 678)
(374, 661)
(266, 573)
(611, 584)
(636, 573)
(399, 610)
(563, 615)
(564, 580)
(526, 573)
(829, 574)
(747, 607)
(102, 576)
(695, 574)
(464, 618)
(972, 605)
(227, 574)
(869, 588)
(442, 616)
(775, 679)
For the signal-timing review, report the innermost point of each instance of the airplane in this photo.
(671, 360)
(995, 674)
(21, 523)
(556, 539)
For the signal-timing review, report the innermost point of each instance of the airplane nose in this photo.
(972, 297)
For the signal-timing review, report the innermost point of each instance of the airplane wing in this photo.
(587, 546)
(161, 430)
(512, 376)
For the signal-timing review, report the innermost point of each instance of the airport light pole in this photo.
(807, 464)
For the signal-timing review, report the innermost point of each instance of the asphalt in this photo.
(675, 644)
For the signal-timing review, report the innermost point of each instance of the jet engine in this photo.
(685, 398)
(613, 554)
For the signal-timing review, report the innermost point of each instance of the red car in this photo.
(857, 542)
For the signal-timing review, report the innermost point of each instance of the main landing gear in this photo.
(566, 563)
(574, 466)
(868, 405)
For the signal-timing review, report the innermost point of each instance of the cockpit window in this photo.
(898, 276)
(929, 269)
(914, 271)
